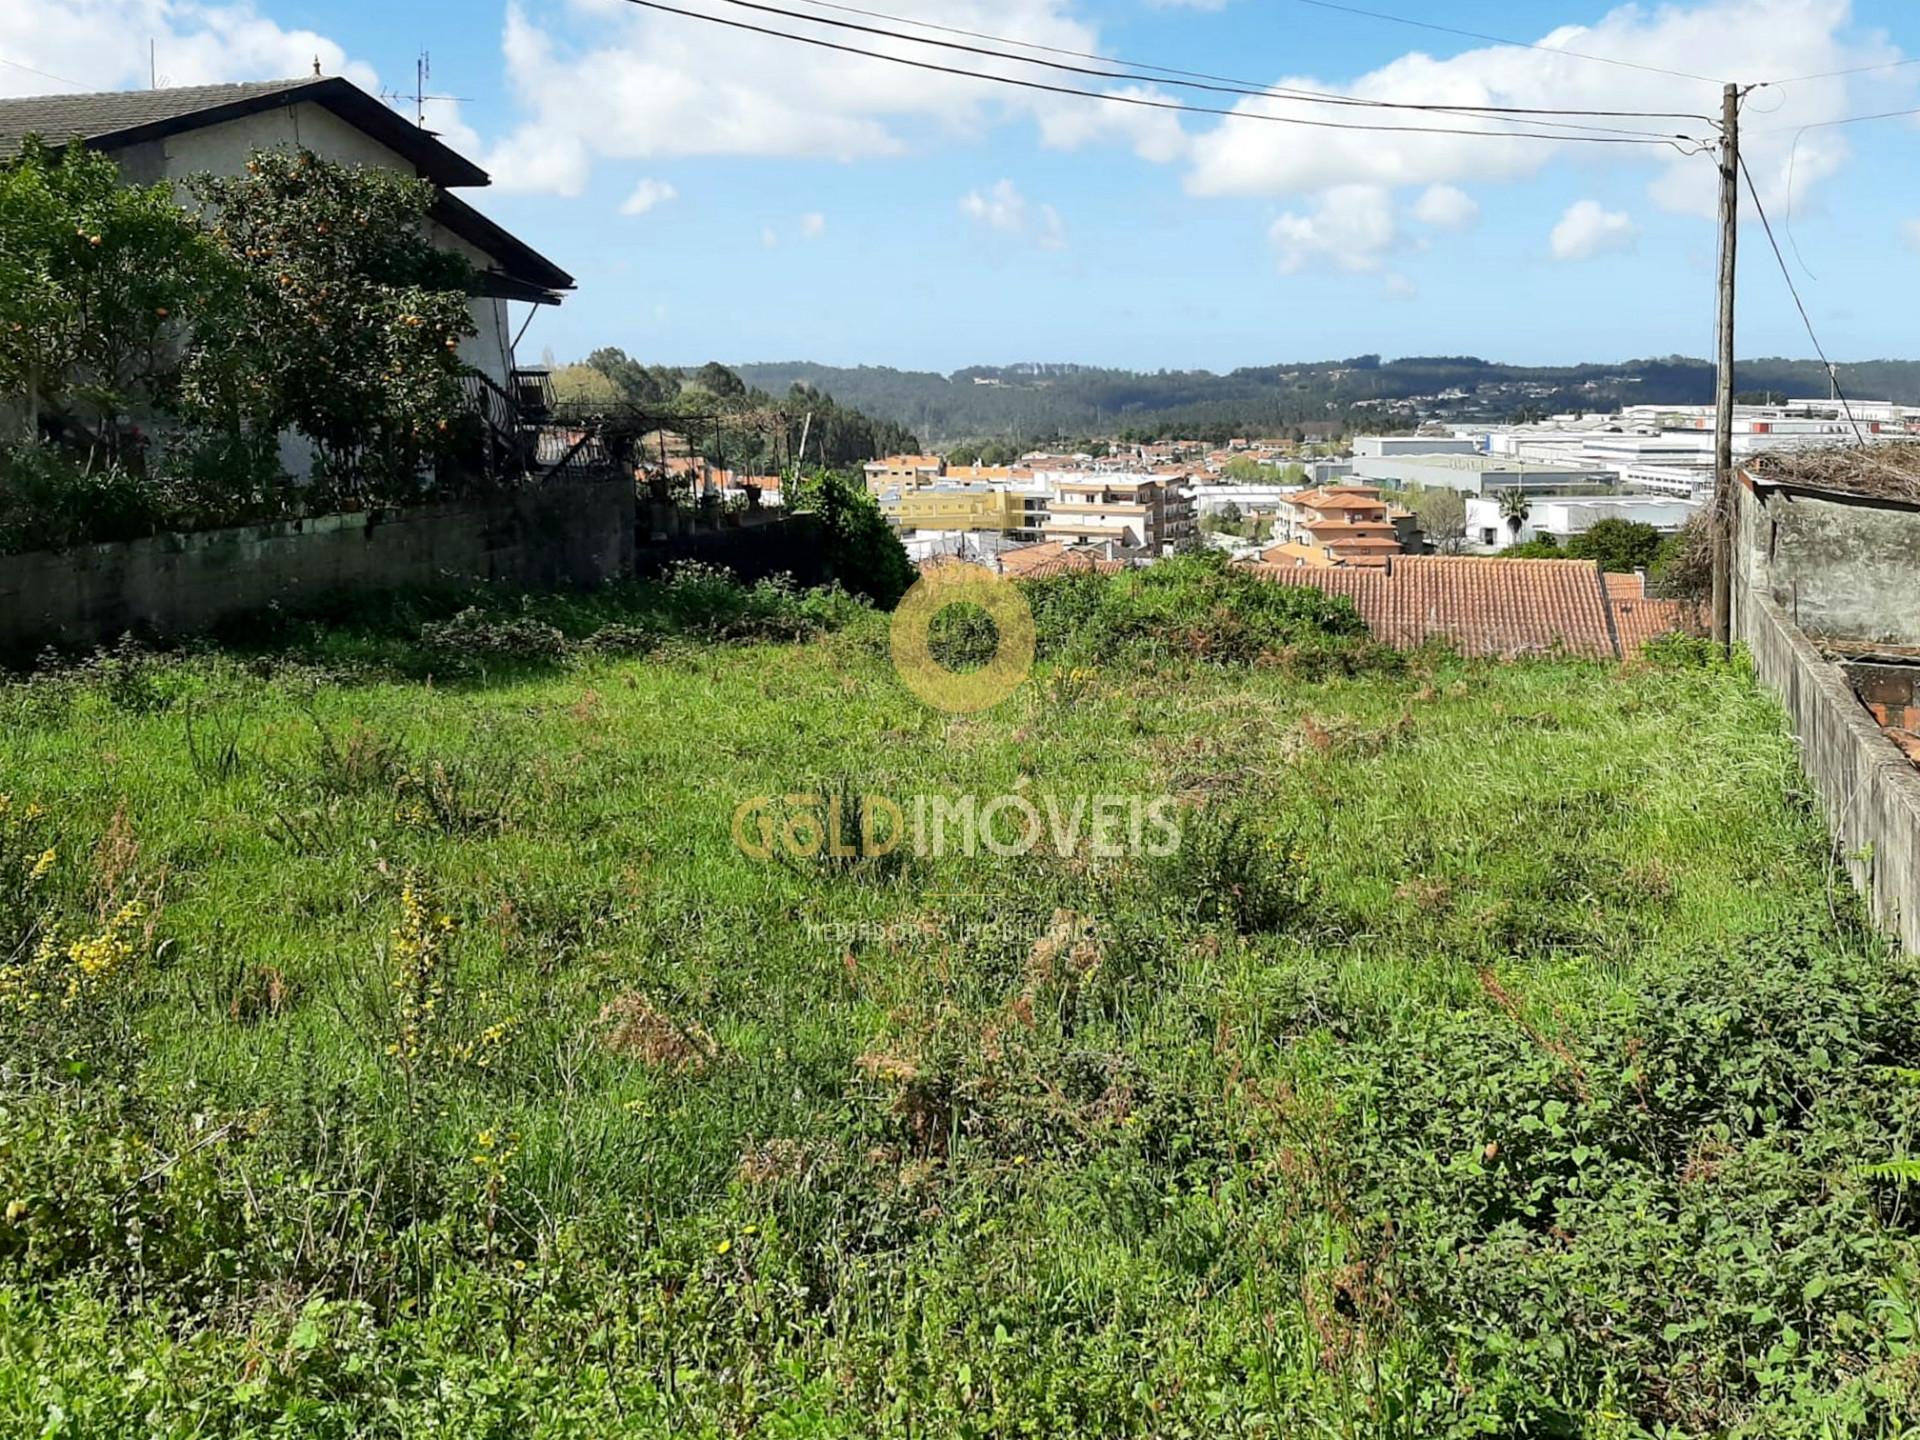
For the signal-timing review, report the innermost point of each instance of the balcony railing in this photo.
(520, 441)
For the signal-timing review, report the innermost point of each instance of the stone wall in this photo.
(1869, 789)
(565, 535)
(1841, 567)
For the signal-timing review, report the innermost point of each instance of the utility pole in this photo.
(1723, 498)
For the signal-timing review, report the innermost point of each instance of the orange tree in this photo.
(343, 324)
(96, 280)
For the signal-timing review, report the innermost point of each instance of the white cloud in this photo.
(665, 85)
(103, 45)
(1003, 208)
(1587, 230)
(813, 225)
(1446, 207)
(1743, 38)
(1350, 227)
(1910, 230)
(647, 195)
(1400, 287)
(769, 237)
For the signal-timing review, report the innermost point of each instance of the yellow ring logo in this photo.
(962, 691)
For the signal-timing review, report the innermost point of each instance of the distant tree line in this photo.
(729, 420)
(1034, 405)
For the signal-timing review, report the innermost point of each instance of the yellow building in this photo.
(955, 507)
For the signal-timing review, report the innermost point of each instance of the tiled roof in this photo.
(113, 118)
(1638, 621)
(60, 118)
(1384, 544)
(1482, 605)
(1050, 557)
(1348, 527)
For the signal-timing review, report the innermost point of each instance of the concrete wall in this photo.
(1871, 792)
(560, 536)
(1841, 568)
(775, 545)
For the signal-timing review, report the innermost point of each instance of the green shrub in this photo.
(1197, 606)
(859, 548)
(474, 640)
(50, 500)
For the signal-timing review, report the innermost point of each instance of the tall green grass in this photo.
(1501, 1054)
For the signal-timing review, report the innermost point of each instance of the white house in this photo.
(170, 135)
(1559, 517)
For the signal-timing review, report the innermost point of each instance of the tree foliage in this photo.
(1443, 517)
(343, 320)
(861, 550)
(96, 281)
(1515, 507)
(1618, 545)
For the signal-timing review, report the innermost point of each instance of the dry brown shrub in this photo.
(1425, 893)
(1068, 950)
(632, 1026)
(262, 993)
(778, 1161)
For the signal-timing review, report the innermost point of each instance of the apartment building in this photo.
(1136, 512)
(1340, 525)
(903, 472)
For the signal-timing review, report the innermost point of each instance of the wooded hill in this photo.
(1039, 401)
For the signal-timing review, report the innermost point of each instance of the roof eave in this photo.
(431, 158)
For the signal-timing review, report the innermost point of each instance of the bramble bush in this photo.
(1202, 607)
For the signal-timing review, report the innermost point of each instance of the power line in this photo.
(1502, 114)
(1849, 120)
(1224, 82)
(1794, 290)
(1502, 40)
(43, 74)
(1851, 70)
(1677, 143)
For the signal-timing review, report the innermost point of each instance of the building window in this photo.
(1486, 535)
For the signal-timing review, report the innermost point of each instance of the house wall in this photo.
(558, 536)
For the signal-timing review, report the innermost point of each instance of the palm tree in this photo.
(1514, 508)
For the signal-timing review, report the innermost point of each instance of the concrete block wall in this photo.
(1870, 790)
(565, 535)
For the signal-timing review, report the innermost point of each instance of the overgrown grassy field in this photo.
(397, 1043)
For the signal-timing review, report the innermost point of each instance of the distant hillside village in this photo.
(1461, 490)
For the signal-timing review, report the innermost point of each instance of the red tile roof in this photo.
(1050, 557)
(1482, 605)
(1638, 621)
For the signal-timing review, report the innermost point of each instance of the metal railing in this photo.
(520, 440)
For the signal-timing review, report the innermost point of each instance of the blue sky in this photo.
(725, 196)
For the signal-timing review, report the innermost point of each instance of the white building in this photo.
(1476, 474)
(1375, 446)
(1560, 517)
(1208, 499)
